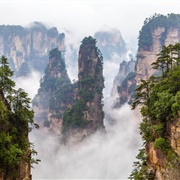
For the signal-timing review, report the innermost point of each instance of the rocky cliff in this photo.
(124, 83)
(75, 109)
(157, 31)
(55, 95)
(29, 47)
(86, 115)
(160, 35)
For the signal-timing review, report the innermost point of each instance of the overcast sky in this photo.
(85, 17)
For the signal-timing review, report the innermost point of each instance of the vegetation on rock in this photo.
(15, 117)
(90, 85)
(159, 98)
(56, 91)
(150, 24)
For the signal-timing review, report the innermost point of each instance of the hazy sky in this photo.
(85, 17)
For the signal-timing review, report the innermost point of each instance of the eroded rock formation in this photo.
(73, 109)
(55, 95)
(86, 116)
(162, 151)
(29, 47)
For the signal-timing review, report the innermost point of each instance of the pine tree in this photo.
(15, 116)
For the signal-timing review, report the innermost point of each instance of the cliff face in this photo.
(159, 128)
(55, 95)
(124, 83)
(157, 32)
(166, 167)
(29, 46)
(91, 79)
(86, 115)
(146, 57)
(124, 69)
(75, 109)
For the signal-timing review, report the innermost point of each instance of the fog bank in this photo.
(107, 156)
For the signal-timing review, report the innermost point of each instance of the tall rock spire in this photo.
(86, 115)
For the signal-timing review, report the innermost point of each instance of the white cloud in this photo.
(108, 156)
(29, 83)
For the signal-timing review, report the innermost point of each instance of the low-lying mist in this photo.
(108, 156)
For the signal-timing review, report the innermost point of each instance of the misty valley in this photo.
(97, 108)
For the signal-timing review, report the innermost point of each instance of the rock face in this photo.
(29, 47)
(124, 69)
(124, 83)
(146, 57)
(159, 31)
(166, 166)
(174, 131)
(55, 95)
(110, 42)
(86, 115)
(75, 109)
(91, 79)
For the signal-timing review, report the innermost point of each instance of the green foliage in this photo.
(124, 84)
(6, 84)
(86, 94)
(89, 87)
(55, 91)
(146, 130)
(140, 171)
(87, 90)
(128, 83)
(10, 153)
(15, 118)
(161, 107)
(74, 117)
(89, 40)
(150, 24)
(55, 54)
(161, 144)
(160, 99)
(176, 105)
(57, 64)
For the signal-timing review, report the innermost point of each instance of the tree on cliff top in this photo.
(155, 21)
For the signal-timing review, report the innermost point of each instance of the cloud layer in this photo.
(108, 156)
